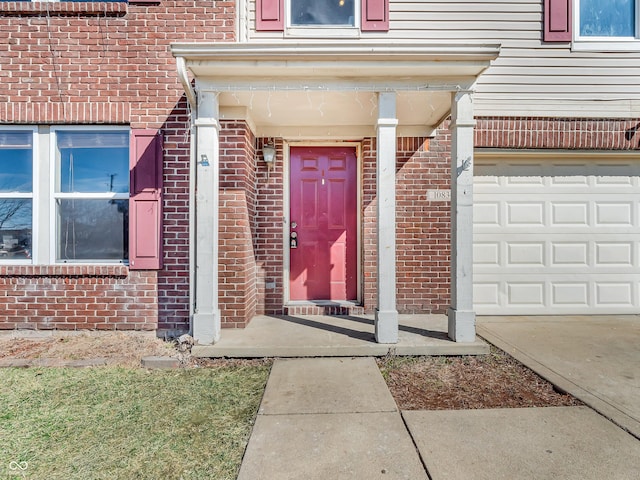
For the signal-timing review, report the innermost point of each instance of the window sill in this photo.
(605, 46)
(322, 32)
(32, 271)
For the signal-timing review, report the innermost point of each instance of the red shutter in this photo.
(557, 20)
(270, 15)
(375, 15)
(145, 202)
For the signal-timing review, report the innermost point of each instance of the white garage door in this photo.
(557, 236)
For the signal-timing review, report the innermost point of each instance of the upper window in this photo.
(322, 12)
(606, 25)
(607, 18)
(322, 17)
(16, 194)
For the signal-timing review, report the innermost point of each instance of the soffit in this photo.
(330, 88)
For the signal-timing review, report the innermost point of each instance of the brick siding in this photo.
(270, 189)
(237, 267)
(106, 63)
(558, 133)
(422, 226)
(65, 297)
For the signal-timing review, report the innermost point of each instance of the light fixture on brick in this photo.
(269, 154)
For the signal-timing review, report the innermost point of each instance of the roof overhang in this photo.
(320, 90)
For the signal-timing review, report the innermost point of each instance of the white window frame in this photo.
(54, 196)
(323, 31)
(33, 196)
(604, 44)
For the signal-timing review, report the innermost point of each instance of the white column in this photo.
(386, 313)
(206, 316)
(462, 318)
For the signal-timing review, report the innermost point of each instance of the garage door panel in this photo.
(486, 294)
(570, 214)
(565, 178)
(564, 254)
(520, 181)
(486, 213)
(570, 294)
(486, 253)
(557, 238)
(525, 213)
(529, 254)
(526, 293)
(614, 213)
(614, 293)
(564, 295)
(610, 253)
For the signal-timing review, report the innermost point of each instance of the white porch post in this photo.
(206, 317)
(386, 313)
(462, 318)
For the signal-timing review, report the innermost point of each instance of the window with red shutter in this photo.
(145, 203)
(270, 14)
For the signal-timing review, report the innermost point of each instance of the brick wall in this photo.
(237, 268)
(558, 133)
(268, 231)
(74, 298)
(422, 226)
(107, 63)
(173, 279)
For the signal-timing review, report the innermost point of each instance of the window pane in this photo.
(92, 229)
(95, 162)
(322, 12)
(607, 18)
(16, 162)
(15, 228)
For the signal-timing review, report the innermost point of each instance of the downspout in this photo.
(193, 107)
(186, 84)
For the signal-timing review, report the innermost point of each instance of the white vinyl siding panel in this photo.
(529, 78)
(557, 237)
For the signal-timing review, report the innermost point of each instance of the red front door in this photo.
(323, 223)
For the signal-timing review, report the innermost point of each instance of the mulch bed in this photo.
(457, 383)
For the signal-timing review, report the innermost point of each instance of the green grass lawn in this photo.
(117, 423)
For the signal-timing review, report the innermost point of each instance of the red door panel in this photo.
(324, 216)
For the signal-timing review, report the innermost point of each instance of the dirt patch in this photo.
(119, 348)
(457, 383)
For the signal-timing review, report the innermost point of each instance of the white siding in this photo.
(529, 78)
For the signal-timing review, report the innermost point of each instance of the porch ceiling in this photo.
(328, 90)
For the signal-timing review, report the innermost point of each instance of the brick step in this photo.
(329, 309)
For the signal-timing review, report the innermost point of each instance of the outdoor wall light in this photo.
(269, 154)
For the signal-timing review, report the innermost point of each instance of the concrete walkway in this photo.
(595, 358)
(330, 418)
(335, 418)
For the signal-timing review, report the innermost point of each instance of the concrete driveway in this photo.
(595, 358)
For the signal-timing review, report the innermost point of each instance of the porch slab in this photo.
(336, 336)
